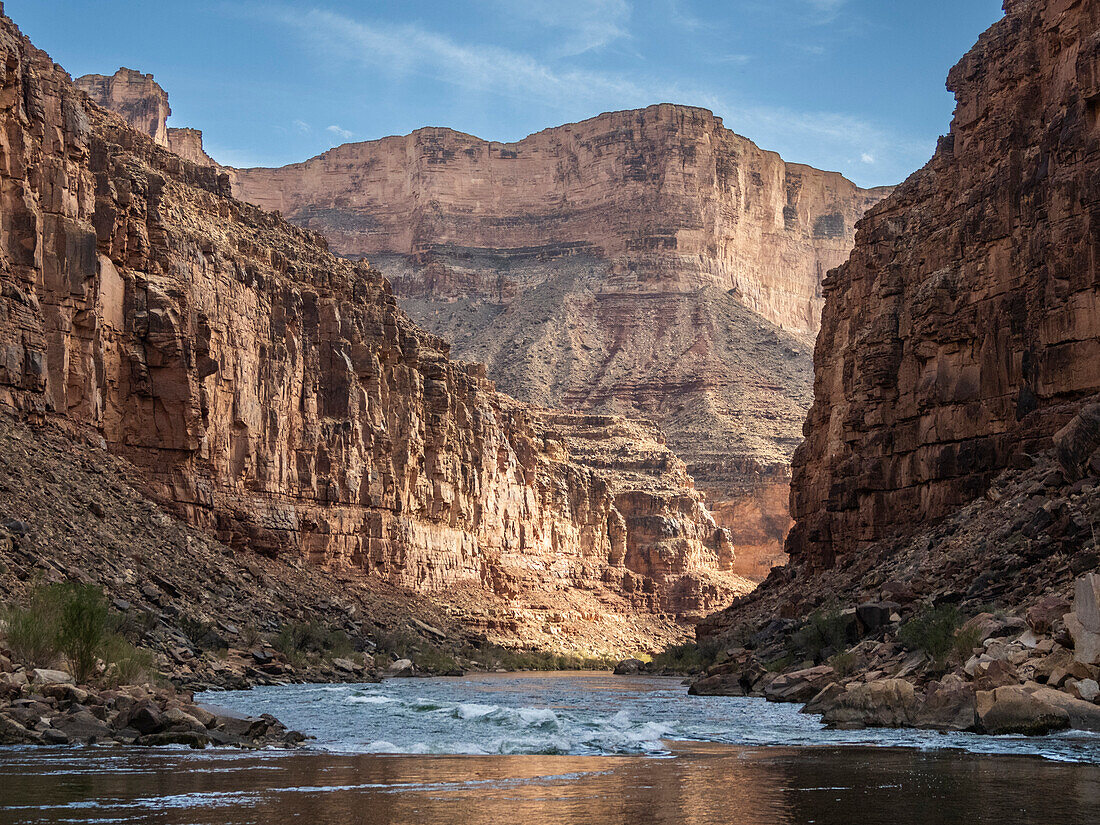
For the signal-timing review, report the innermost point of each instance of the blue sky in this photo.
(851, 85)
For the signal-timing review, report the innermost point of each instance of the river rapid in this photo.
(553, 748)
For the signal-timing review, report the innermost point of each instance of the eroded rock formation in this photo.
(649, 263)
(276, 395)
(965, 329)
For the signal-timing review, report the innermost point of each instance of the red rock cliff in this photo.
(967, 321)
(276, 394)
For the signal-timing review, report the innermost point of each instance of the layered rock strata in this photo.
(649, 263)
(965, 328)
(276, 395)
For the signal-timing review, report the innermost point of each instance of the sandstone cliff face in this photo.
(276, 394)
(967, 322)
(671, 197)
(143, 103)
(647, 263)
(137, 97)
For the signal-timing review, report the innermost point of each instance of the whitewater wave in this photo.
(479, 728)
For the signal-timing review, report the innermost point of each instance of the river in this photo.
(536, 749)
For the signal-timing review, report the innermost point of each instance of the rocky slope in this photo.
(966, 326)
(275, 395)
(647, 263)
(951, 466)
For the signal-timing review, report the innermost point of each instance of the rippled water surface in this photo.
(558, 748)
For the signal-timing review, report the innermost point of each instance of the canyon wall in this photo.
(965, 328)
(276, 395)
(647, 263)
(672, 198)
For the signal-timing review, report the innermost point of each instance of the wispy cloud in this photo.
(343, 134)
(828, 139)
(412, 49)
(302, 127)
(572, 27)
(824, 11)
(867, 157)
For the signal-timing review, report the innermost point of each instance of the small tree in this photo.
(85, 628)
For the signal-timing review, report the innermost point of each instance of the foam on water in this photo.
(579, 714)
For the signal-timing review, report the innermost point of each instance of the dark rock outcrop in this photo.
(965, 329)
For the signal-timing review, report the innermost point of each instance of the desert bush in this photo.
(73, 620)
(844, 663)
(32, 631)
(299, 640)
(966, 639)
(825, 630)
(85, 627)
(688, 657)
(128, 665)
(932, 631)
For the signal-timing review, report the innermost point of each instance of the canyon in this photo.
(274, 395)
(648, 263)
(651, 264)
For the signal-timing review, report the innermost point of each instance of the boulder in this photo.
(402, 667)
(14, 733)
(949, 704)
(721, 684)
(800, 685)
(346, 666)
(1086, 643)
(629, 667)
(1015, 710)
(82, 726)
(145, 717)
(1086, 601)
(45, 676)
(875, 615)
(824, 699)
(1082, 715)
(886, 703)
(1075, 443)
(1086, 690)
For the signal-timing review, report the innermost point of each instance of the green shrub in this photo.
(74, 620)
(32, 631)
(84, 629)
(932, 631)
(844, 663)
(128, 665)
(688, 658)
(966, 639)
(300, 640)
(780, 664)
(825, 630)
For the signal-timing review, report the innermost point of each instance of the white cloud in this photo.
(413, 50)
(303, 127)
(344, 134)
(867, 157)
(828, 9)
(577, 26)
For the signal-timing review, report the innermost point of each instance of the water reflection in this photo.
(697, 786)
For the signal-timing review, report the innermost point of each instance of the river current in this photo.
(553, 748)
